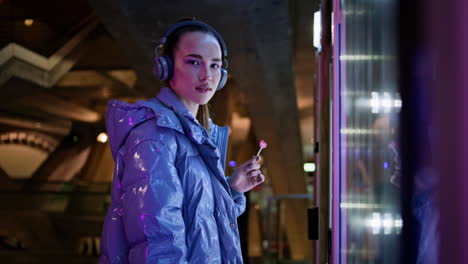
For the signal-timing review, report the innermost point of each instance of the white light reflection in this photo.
(397, 103)
(375, 223)
(354, 12)
(389, 223)
(317, 29)
(358, 206)
(357, 131)
(309, 167)
(384, 102)
(398, 225)
(365, 57)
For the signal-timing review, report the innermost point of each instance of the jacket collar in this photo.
(170, 99)
(192, 127)
(196, 132)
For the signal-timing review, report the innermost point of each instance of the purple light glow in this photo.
(232, 163)
(385, 165)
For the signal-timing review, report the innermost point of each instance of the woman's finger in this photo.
(260, 178)
(253, 173)
(257, 158)
(253, 166)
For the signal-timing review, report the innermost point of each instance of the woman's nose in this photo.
(205, 74)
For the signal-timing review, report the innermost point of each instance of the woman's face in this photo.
(197, 68)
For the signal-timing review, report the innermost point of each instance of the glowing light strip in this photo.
(353, 131)
(365, 57)
(359, 206)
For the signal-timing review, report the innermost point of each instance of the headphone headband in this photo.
(163, 67)
(182, 24)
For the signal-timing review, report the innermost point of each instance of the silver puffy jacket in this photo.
(171, 202)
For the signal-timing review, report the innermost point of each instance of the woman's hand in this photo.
(247, 175)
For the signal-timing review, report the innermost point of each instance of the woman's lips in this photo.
(203, 89)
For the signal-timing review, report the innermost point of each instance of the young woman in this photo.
(171, 202)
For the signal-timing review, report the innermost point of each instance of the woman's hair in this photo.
(169, 47)
(173, 39)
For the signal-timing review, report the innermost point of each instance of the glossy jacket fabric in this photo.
(171, 202)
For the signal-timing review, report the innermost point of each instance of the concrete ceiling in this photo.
(271, 67)
(271, 55)
(272, 60)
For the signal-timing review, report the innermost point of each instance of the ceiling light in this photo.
(28, 22)
(102, 137)
(317, 30)
(309, 167)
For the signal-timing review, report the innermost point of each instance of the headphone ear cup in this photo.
(163, 68)
(223, 79)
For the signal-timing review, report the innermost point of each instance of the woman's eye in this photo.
(193, 62)
(216, 66)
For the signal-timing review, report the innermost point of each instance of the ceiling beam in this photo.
(17, 61)
(23, 97)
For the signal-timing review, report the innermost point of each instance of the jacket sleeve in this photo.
(239, 200)
(158, 205)
(114, 248)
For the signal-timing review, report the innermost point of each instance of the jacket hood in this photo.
(122, 117)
